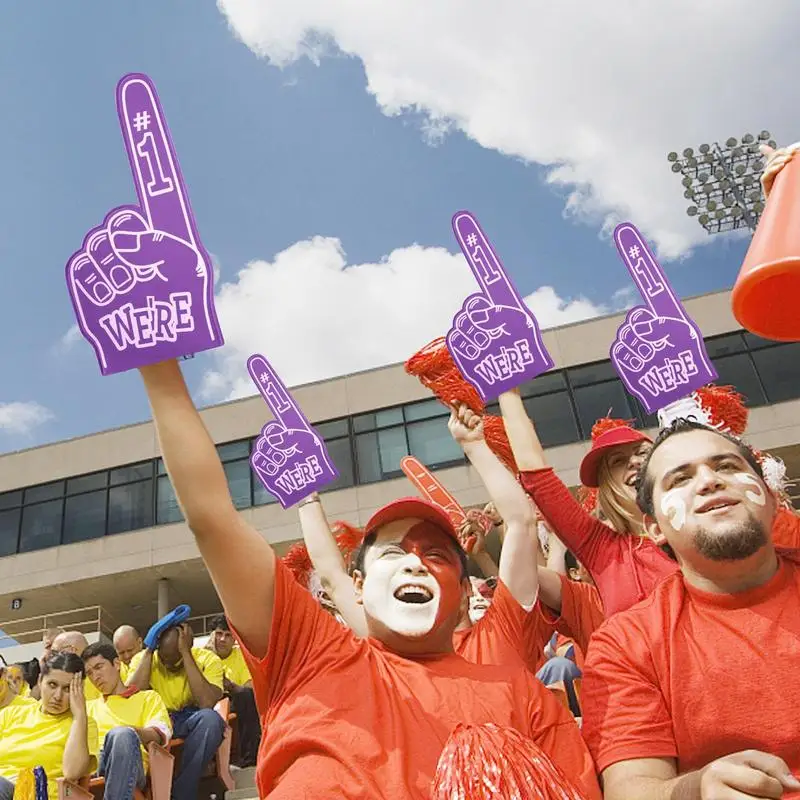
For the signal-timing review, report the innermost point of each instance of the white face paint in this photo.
(393, 574)
(673, 508)
(478, 606)
(756, 496)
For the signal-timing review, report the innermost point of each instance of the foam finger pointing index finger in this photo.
(154, 164)
(646, 272)
(483, 261)
(276, 395)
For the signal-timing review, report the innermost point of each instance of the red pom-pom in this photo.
(786, 529)
(485, 762)
(606, 424)
(299, 563)
(587, 497)
(348, 538)
(436, 370)
(494, 431)
(725, 408)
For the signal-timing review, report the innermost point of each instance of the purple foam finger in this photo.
(154, 163)
(275, 394)
(647, 274)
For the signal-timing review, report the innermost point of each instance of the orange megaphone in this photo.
(765, 297)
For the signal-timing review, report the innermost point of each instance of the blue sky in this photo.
(271, 157)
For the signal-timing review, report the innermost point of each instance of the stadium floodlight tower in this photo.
(721, 182)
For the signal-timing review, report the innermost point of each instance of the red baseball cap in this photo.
(411, 508)
(601, 445)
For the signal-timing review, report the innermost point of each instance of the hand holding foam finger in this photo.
(289, 457)
(494, 340)
(141, 284)
(658, 352)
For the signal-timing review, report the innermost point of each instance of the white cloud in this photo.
(598, 92)
(68, 340)
(22, 418)
(314, 316)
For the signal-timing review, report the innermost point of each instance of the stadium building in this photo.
(91, 535)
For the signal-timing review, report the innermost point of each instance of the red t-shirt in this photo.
(581, 615)
(624, 568)
(344, 717)
(506, 634)
(697, 676)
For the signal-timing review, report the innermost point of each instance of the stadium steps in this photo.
(245, 785)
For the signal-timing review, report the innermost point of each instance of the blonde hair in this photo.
(619, 509)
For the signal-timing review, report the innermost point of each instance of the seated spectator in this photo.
(692, 692)
(127, 642)
(127, 721)
(48, 637)
(55, 733)
(9, 693)
(75, 642)
(189, 680)
(238, 684)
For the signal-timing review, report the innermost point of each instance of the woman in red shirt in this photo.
(624, 564)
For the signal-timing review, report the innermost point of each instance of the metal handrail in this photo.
(88, 619)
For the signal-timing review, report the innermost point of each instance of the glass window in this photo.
(47, 491)
(261, 497)
(133, 472)
(130, 507)
(594, 402)
(378, 419)
(432, 444)
(167, 508)
(238, 475)
(379, 454)
(160, 468)
(234, 450)
(544, 384)
(84, 517)
(738, 371)
(87, 483)
(342, 456)
(725, 345)
(425, 410)
(11, 499)
(333, 429)
(9, 531)
(554, 418)
(756, 342)
(779, 369)
(41, 526)
(592, 373)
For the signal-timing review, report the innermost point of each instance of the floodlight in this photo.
(747, 138)
(730, 142)
(764, 135)
(673, 156)
(688, 152)
(704, 148)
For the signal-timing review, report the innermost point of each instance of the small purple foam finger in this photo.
(275, 394)
(647, 273)
(154, 163)
(483, 262)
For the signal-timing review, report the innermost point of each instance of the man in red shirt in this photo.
(693, 692)
(345, 716)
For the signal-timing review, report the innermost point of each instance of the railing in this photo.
(92, 619)
(201, 625)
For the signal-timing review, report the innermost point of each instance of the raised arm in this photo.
(238, 558)
(329, 564)
(517, 568)
(522, 436)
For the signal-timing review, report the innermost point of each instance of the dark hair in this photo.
(31, 670)
(220, 622)
(369, 541)
(101, 649)
(645, 482)
(570, 562)
(66, 662)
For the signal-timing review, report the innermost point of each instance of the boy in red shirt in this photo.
(342, 716)
(692, 693)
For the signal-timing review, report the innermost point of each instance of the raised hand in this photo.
(142, 283)
(465, 426)
(77, 699)
(495, 339)
(289, 457)
(659, 352)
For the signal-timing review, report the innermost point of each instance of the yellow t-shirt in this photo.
(31, 738)
(90, 691)
(174, 686)
(140, 710)
(19, 700)
(235, 668)
(124, 671)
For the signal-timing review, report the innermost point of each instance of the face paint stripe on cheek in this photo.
(757, 496)
(674, 508)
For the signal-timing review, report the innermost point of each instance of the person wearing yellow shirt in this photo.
(189, 680)
(127, 721)
(75, 642)
(55, 733)
(127, 642)
(238, 686)
(9, 692)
